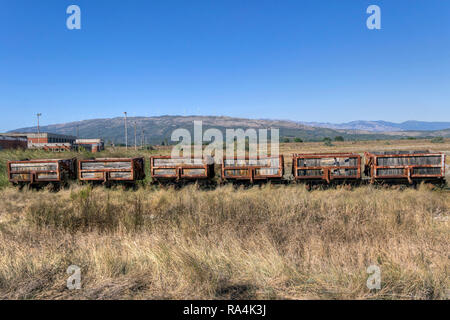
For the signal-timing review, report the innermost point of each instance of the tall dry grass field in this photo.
(265, 242)
(269, 242)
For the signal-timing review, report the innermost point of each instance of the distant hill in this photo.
(159, 129)
(383, 126)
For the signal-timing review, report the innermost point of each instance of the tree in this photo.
(339, 138)
(298, 140)
(327, 142)
(286, 140)
(437, 140)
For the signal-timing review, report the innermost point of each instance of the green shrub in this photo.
(437, 140)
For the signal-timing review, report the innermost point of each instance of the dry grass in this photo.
(269, 242)
(280, 242)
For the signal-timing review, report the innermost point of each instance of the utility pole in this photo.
(77, 131)
(39, 130)
(135, 139)
(126, 132)
(142, 139)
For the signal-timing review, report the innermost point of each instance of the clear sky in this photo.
(286, 59)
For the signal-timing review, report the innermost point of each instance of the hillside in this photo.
(159, 129)
(383, 126)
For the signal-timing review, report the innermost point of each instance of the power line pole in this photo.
(126, 132)
(145, 140)
(39, 130)
(142, 139)
(135, 139)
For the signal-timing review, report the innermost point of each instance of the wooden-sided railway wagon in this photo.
(41, 171)
(111, 169)
(253, 169)
(326, 167)
(164, 168)
(411, 166)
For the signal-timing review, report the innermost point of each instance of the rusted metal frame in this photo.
(325, 155)
(359, 167)
(326, 169)
(404, 155)
(79, 170)
(443, 165)
(106, 176)
(68, 166)
(170, 157)
(222, 169)
(371, 160)
(411, 175)
(408, 169)
(178, 168)
(249, 169)
(195, 176)
(34, 173)
(327, 173)
(164, 175)
(153, 168)
(252, 168)
(110, 159)
(179, 173)
(58, 170)
(329, 169)
(9, 171)
(294, 166)
(106, 172)
(370, 164)
(375, 158)
(133, 169)
(410, 166)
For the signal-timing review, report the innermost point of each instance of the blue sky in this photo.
(297, 60)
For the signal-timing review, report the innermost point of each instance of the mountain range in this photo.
(383, 126)
(159, 129)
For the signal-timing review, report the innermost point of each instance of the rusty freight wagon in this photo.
(327, 167)
(164, 168)
(400, 166)
(111, 169)
(253, 169)
(41, 171)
